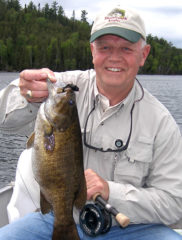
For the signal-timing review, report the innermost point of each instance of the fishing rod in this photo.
(120, 217)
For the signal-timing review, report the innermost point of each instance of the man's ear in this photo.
(91, 48)
(145, 53)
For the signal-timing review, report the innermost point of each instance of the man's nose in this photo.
(116, 55)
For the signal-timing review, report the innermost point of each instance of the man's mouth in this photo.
(114, 69)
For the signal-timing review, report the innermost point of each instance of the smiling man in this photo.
(116, 62)
(132, 146)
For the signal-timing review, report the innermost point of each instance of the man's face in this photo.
(117, 61)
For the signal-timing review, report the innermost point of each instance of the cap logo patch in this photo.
(117, 15)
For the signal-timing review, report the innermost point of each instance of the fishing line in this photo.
(38, 210)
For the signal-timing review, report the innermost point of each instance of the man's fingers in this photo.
(96, 184)
(33, 85)
(37, 75)
(30, 75)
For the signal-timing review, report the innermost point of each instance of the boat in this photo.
(5, 195)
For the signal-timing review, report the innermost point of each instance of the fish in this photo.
(57, 159)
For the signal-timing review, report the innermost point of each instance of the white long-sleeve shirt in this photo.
(145, 181)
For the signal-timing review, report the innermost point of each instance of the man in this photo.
(132, 145)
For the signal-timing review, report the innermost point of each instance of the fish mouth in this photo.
(71, 86)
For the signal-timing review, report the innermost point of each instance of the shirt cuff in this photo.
(116, 192)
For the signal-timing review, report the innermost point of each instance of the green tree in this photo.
(31, 7)
(32, 37)
(83, 16)
(14, 4)
(3, 55)
(3, 9)
(45, 10)
(73, 16)
(55, 8)
(10, 53)
(53, 53)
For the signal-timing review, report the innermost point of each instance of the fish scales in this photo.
(57, 160)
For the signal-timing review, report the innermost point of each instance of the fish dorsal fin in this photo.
(30, 141)
(51, 88)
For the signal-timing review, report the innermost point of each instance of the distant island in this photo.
(35, 37)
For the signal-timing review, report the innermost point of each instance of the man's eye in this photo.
(126, 49)
(104, 48)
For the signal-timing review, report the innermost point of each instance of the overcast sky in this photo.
(163, 18)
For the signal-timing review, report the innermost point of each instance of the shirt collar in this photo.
(125, 102)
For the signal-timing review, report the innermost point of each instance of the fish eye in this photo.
(71, 102)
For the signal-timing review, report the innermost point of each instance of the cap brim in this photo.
(127, 34)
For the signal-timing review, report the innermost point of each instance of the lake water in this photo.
(168, 89)
(10, 145)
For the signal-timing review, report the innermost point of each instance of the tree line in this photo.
(35, 37)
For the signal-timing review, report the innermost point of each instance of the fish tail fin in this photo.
(61, 232)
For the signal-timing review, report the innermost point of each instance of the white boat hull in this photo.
(5, 195)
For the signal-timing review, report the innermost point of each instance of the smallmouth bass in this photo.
(57, 159)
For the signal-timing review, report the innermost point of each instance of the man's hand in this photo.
(96, 184)
(33, 84)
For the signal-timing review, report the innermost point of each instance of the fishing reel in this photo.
(95, 219)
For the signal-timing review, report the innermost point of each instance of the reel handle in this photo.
(120, 217)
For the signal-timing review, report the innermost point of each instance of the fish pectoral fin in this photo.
(81, 196)
(30, 141)
(45, 206)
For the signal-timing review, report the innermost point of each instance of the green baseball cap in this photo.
(124, 23)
